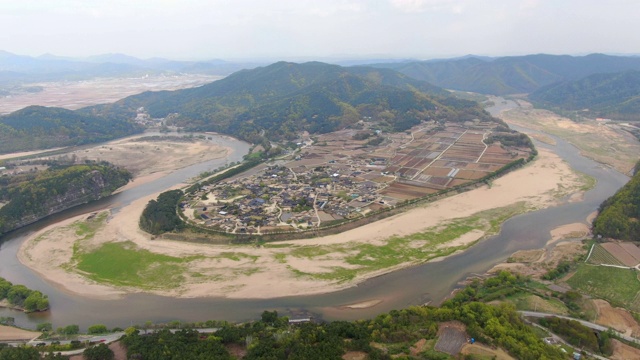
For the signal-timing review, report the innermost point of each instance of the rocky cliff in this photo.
(31, 198)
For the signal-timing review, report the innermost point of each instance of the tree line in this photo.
(23, 297)
(618, 215)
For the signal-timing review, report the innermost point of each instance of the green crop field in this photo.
(619, 286)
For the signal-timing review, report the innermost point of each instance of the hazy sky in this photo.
(287, 29)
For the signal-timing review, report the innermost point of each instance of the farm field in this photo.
(616, 285)
(600, 256)
(613, 253)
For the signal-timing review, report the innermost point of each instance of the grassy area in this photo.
(395, 251)
(237, 256)
(124, 264)
(529, 302)
(87, 228)
(618, 286)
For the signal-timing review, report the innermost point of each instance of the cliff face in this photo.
(59, 190)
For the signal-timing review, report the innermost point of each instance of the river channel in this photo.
(430, 282)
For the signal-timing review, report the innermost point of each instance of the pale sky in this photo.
(289, 29)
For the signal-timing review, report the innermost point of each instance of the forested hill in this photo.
(614, 95)
(619, 215)
(29, 197)
(283, 98)
(39, 127)
(514, 74)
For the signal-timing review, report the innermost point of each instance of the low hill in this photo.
(39, 127)
(284, 98)
(619, 215)
(611, 95)
(513, 74)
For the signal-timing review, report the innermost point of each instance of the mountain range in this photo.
(284, 98)
(513, 74)
(612, 95)
(274, 102)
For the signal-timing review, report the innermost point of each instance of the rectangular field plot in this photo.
(437, 171)
(632, 250)
(621, 254)
(600, 255)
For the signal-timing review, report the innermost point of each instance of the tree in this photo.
(99, 352)
(17, 294)
(69, 330)
(97, 329)
(269, 317)
(36, 302)
(44, 327)
(19, 353)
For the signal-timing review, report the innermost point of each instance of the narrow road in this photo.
(583, 322)
(484, 137)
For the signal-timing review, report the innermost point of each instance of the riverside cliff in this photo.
(30, 197)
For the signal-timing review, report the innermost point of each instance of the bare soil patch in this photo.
(528, 256)
(486, 351)
(617, 318)
(355, 355)
(9, 333)
(623, 351)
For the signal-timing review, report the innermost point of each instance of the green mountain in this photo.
(618, 216)
(615, 95)
(39, 127)
(514, 74)
(283, 98)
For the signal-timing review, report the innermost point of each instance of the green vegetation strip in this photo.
(414, 248)
(618, 286)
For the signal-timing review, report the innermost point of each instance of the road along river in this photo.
(417, 285)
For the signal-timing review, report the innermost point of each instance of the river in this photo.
(430, 282)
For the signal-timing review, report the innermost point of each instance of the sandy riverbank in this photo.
(274, 271)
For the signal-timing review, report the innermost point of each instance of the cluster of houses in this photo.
(279, 199)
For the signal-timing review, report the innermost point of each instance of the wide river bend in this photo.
(430, 282)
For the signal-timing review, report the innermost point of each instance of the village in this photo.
(348, 174)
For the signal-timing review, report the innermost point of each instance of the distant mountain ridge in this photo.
(48, 67)
(615, 95)
(284, 98)
(513, 74)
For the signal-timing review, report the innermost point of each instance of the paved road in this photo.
(583, 322)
